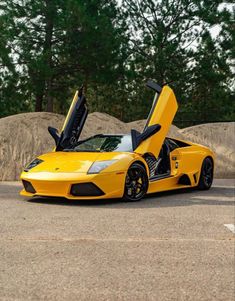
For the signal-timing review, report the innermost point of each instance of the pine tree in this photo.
(208, 83)
(48, 48)
(58, 45)
(165, 36)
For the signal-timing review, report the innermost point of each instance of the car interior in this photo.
(161, 167)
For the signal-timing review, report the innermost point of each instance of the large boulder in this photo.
(22, 138)
(220, 137)
(25, 136)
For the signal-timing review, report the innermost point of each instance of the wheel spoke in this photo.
(128, 185)
(137, 175)
(133, 192)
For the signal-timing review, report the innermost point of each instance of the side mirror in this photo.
(55, 134)
(137, 137)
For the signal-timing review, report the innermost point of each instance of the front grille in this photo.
(86, 189)
(28, 186)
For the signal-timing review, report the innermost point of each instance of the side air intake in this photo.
(184, 180)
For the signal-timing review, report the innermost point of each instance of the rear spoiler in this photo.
(148, 131)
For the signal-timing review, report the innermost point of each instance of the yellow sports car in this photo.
(119, 166)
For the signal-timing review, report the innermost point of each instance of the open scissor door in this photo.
(73, 124)
(159, 121)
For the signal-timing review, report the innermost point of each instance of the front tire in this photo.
(136, 184)
(206, 177)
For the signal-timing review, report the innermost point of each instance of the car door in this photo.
(73, 123)
(162, 113)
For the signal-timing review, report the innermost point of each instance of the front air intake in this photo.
(86, 189)
(28, 187)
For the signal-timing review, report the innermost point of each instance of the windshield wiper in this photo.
(68, 150)
(86, 151)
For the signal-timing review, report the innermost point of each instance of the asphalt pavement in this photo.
(169, 246)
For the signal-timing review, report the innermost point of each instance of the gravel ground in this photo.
(170, 246)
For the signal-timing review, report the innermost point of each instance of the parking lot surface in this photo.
(170, 246)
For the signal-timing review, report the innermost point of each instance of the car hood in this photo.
(73, 161)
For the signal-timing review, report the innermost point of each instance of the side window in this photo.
(172, 144)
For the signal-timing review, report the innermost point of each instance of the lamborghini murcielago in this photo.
(127, 166)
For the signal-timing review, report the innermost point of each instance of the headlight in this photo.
(98, 166)
(33, 164)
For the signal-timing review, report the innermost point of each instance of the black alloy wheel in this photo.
(136, 185)
(206, 177)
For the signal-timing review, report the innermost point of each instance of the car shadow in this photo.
(185, 197)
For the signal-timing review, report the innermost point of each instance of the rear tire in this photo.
(206, 176)
(136, 184)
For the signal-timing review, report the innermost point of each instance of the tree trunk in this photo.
(38, 102)
(49, 98)
(49, 15)
(50, 104)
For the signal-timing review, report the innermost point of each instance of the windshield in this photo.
(104, 143)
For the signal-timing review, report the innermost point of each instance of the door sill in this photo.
(160, 177)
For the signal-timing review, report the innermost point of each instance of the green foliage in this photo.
(57, 45)
(50, 47)
(174, 45)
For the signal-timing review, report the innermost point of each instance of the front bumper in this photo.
(59, 184)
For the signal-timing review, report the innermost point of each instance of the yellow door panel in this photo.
(169, 183)
(72, 106)
(175, 159)
(163, 111)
